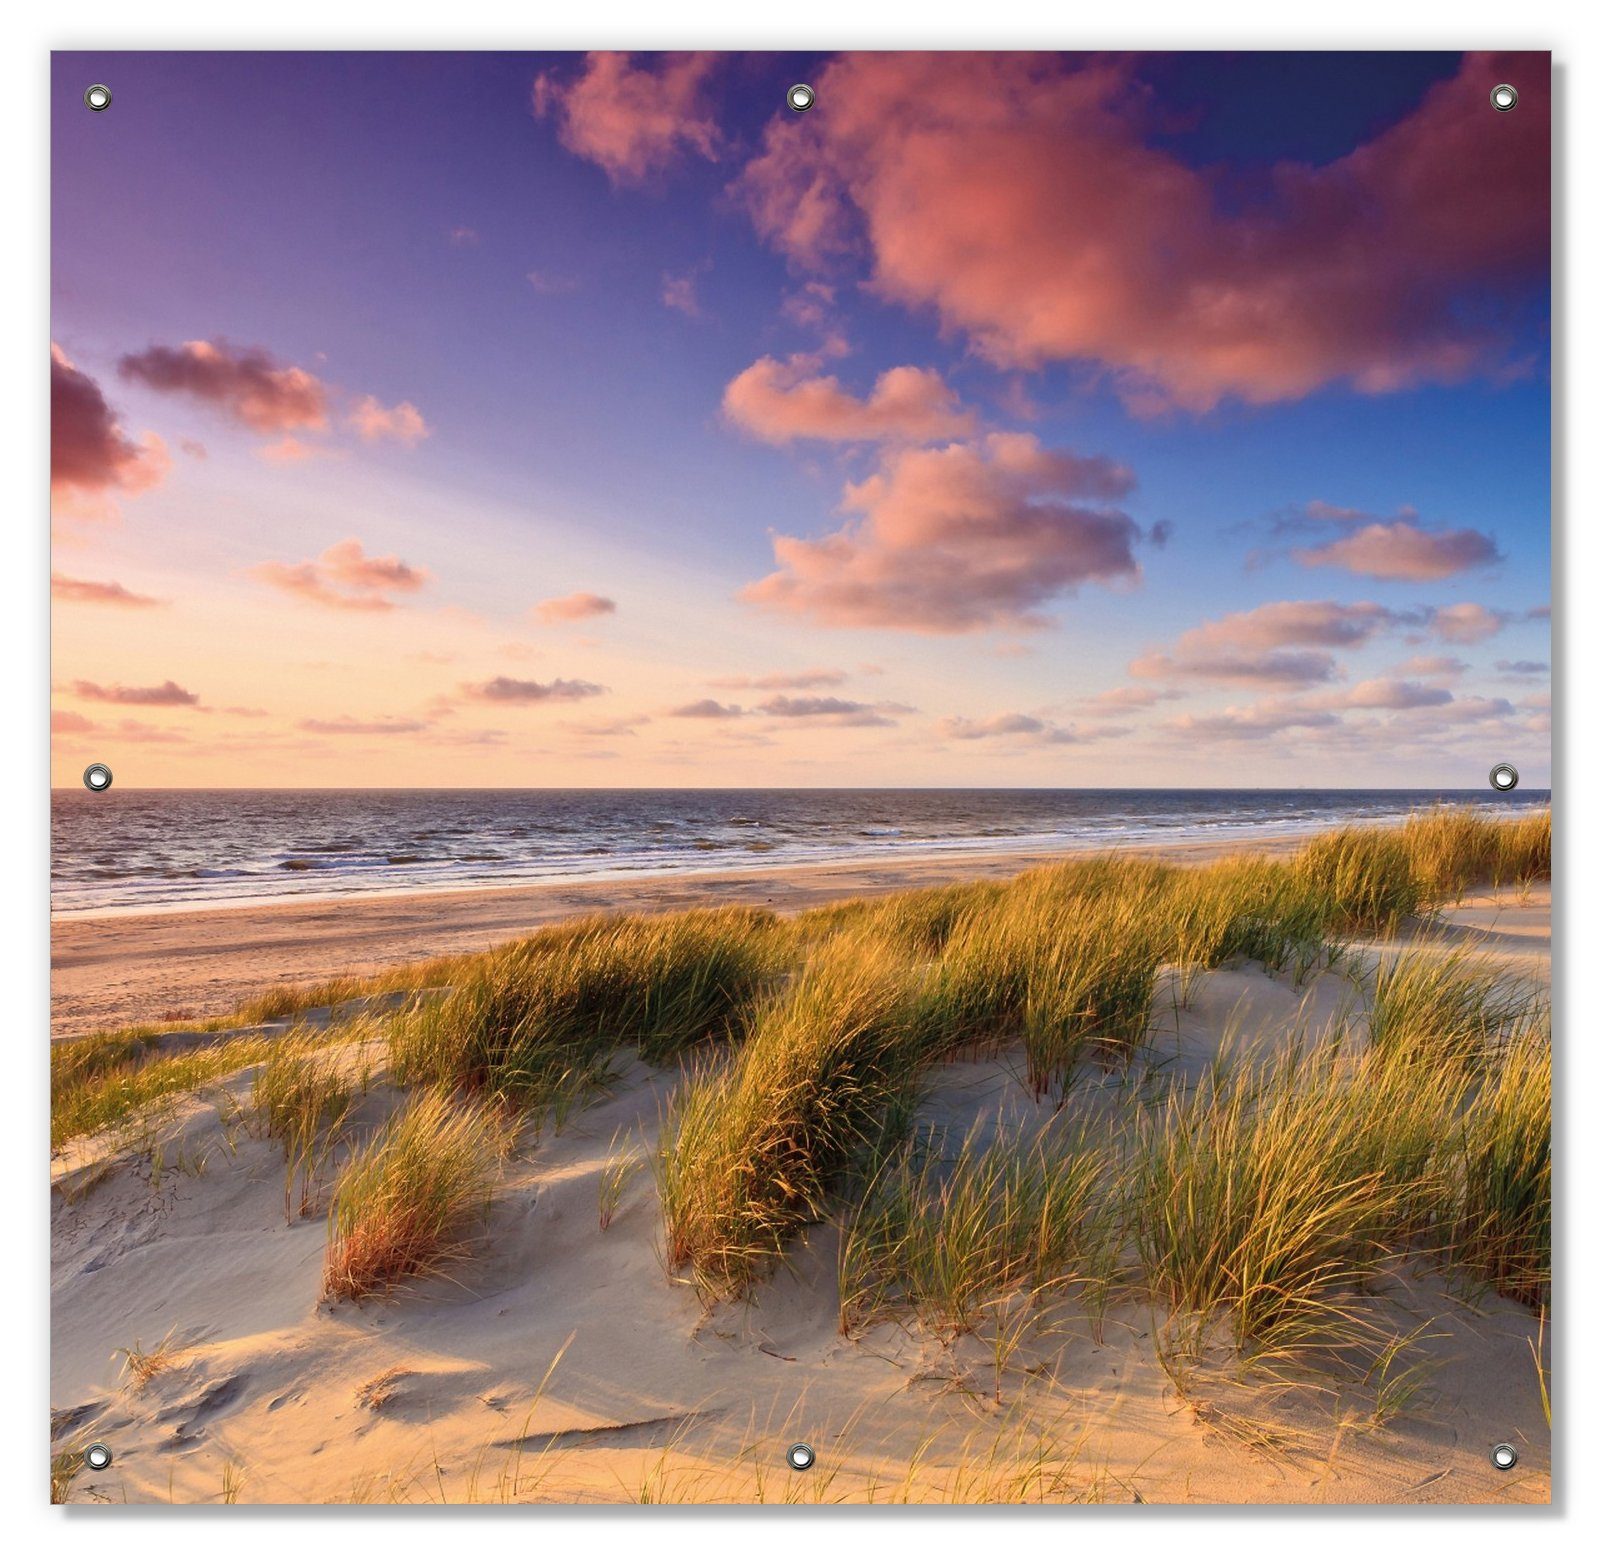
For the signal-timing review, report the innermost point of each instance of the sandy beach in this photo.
(121, 969)
(556, 1360)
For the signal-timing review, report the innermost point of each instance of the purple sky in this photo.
(1168, 419)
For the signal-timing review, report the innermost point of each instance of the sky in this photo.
(1003, 420)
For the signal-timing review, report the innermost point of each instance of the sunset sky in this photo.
(1005, 420)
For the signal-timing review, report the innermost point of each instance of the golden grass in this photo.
(402, 1201)
(950, 1238)
(542, 1020)
(88, 1097)
(303, 1095)
(757, 1145)
(1504, 1223)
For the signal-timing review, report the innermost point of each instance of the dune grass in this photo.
(402, 1201)
(1363, 876)
(1064, 959)
(1446, 1004)
(1503, 1232)
(88, 1097)
(948, 1237)
(1271, 1193)
(1452, 850)
(543, 1019)
(303, 1095)
(757, 1145)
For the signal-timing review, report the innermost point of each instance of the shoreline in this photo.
(120, 969)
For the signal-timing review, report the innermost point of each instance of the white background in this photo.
(1572, 31)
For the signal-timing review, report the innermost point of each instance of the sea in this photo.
(153, 850)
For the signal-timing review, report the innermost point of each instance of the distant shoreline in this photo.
(119, 968)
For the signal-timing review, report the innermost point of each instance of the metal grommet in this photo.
(97, 1456)
(1504, 777)
(97, 97)
(800, 97)
(1504, 98)
(97, 777)
(1504, 1455)
(800, 1457)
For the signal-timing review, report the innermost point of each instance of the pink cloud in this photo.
(791, 680)
(246, 383)
(1380, 693)
(678, 292)
(631, 120)
(1443, 665)
(1260, 721)
(1239, 667)
(85, 591)
(168, 694)
(1465, 623)
(403, 423)
(1403, 550)
(345, 724)
(707, 708)
(344, 577)
(504, 689)
(1022, 199)
(1283, 643)
(1024, 728)
(1128, 698)
(958, 539)
(64, 722)
(782, 401)
(575, 607)
(90, 454)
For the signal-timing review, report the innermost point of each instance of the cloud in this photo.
(403, 423)
(1127, 698)
(462, 237)
(606, 728)
(1441, 664)
(345, 724)
(632, 120)
(504, 689)
(1283, 643)
(344, 577)
(1025, 729)
(678, 292)
(131, 731)
(84, 591)
(65, 722)
(1260, 721)
(1398, 548)
(782, 401)
(782, 680)
(168, 694)
(1523, 666)
(1381, 693)
(1465, 623)
(837, 711)
(90, 454)
(707, 708)
(244, 383)
(964, 538)
(1473, 710)
(575, 607)
(1024, 199)
(1228, 667)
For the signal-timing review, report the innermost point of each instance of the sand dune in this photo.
(553, 1360)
